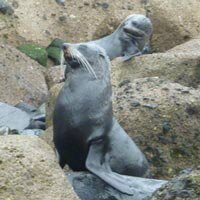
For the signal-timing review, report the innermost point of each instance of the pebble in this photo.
(152, 106)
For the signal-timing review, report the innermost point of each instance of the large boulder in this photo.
(28, 170)
(163, 118)
(90, 187)
(180, 64)
(174, 22)
(185, 186)
(21, 78)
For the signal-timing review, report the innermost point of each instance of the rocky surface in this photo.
(53, 93)
(174, 22)
(163, 118)
(55, 75)
(21, 78)
(47, 136)
(28, 170)
(183, 187)
(180, 64)
(90, 187)
(13, 118)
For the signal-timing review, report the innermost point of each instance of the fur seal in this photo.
(131, 38)
(86, 135)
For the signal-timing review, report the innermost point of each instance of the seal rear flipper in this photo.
(97, 162)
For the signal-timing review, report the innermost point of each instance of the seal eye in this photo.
(134, 23)
(101, 55)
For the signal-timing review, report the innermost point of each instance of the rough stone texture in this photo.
(185, 186)
(21, 78)
(47, 136)
(13, 118)
(180, 64)
(28, 170)
(90, 187)
(75, 21)
(53, 93)
(191, 46)
(54, 75)
(174, 22)
(163, 118)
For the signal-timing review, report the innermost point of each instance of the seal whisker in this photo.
(62, 59)
(85, 63)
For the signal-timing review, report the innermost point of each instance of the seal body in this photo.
(131, 38)
(86, 135)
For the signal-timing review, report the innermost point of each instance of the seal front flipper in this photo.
(129, 57)
(97, 162)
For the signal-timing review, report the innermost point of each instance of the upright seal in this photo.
(86, 135)
(131, 38)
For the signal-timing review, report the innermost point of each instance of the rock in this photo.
(4, 130)
(47, 136)
(33, 132)
(62, 2)
(184, 186)
(5, 7)
(13, 118)
(37, 116)
(54, 50)
(168, 133)
(55, 75)
(172, 29)
(90, 187)
(35, 52)
(53, 93)
(180, 64)
(21, 78)
(191, 46)
(30, 109)
(54, 54)
(28, 170)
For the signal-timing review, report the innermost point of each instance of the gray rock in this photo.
(13, 118)
(62, 2)
(90, 187)
(37, 115)
(5, 7)
(33, 132)
(184, 186)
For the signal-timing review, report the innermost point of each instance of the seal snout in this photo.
(65, 46)
(66, 49)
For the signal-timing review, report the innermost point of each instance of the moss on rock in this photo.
(35, 52)
(53, 50)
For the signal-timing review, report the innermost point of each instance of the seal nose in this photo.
(65, 46)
